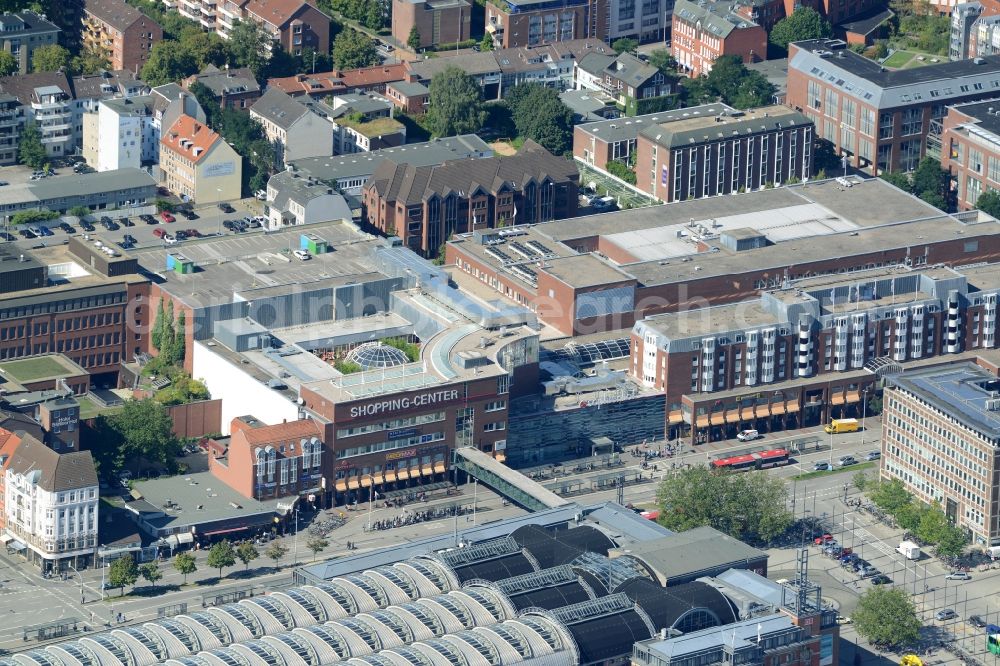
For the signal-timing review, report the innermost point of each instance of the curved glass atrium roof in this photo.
(377, 355)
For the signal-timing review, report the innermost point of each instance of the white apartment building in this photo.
(51, 506)
(126, 134)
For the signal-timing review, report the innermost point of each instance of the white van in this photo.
(302, 255)
(748, 435)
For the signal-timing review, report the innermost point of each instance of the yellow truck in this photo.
(838, 426)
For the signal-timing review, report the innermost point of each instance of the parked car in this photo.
(180, 235)
(880, 579)
(126, 222)
(167, 217)
(226, 208)
(192, 233)
(821, 466)
(958, 575)
(87, 226)
(869, 572)
(847, 460)
(44, 230)
(6, 236)
(873, 455)
(748, 435)
(945, 614)
(67, 227)
(302, 255)
(169, 240)
(822, 539)
(26, 233)
(110, 224)
(841, 619)
(977, 621)
(159, 233)
(4, 183)
(129, 238)
(227, 224)
(148, 219)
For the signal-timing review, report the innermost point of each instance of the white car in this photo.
(748, 435)
(302, 255)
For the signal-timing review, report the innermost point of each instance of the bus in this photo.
(993, 639)
(759, 460)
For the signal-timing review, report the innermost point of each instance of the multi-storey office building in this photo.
(12, 115)
(940, 437)
(816, 334)
(425, 205)
(879, 118)
(436, 21)
(970, 149)
(23, 32)
(120, 33)
(702, 32)
(514, 23)
(51, 506)
(706, 156)
(605, 272)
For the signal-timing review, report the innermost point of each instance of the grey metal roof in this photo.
(738, 634)
(987, 118)
(695, 550)
(410, 88)
(717, 18)
(279, 108)
(622, 129)
(25, 23)
(867, 80)
(707, 128)
(963, 392)
(344, 105)
(90, 183)
(140, 104)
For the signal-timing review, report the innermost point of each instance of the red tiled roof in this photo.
(275, 12)
(308, 84)
(265, 434)
(368, 76)
(190, 137)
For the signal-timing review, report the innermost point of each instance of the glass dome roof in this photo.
(377, 355)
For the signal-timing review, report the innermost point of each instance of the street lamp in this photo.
(295, 539)
(864, 413)
(79, 578)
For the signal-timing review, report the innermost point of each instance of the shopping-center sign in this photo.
(408, 402)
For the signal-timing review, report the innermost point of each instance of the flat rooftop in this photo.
(66, 272)
(714, 320)
(261, 264)
(963, 391)
(584, 270)
(623, 129)
(196, 499)
(40, 368)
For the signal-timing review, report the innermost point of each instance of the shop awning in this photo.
(854, 396)
(792, 407)
(499, 457)
(353, 483)
(837, 399)
(403, 474)
(676, 417)
(184, 537)
(340, 486)
(718, 419)
(762, 411)
(229, 530)
(439, 467)
(777, 408)
(390, 477)
(6, 538)
(17, 546)
(366, 482)
(427, 471)
(746, 413)
(702, 422)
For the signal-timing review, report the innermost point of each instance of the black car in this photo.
(881, 579)
(6, 236)
(977, 621)
(227, 224)
(86, 226)
(67, 227)
(127, 222)
(129, 238)
(225, 208)
(111, 225)
(181, 235)
(26, 233)
(148, 219)
(105, 219)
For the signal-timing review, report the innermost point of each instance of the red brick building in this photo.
(294, 24)
(120, 33)
(437, 21)
(970, 149)
(703, 32)
(411, 97)
(425, 205)
(881, 120)
(323, 84)
(513, 23)
(269, 461)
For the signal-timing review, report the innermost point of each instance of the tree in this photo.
(221, 555)
(151, 572)
(989, 203)
(951, 543)
(897, 179)
(79, 211)
(156, 335)
(622, 171)
(541, 116)
(8, 63)
(890, 496)
(179, 338)
(744, 506)
(860, 480)
(168, 62)
(250, 46)
(886, 617)
(246, 553)
(31, 150)
(413, 41)
(275, 551)
(486, 43)
(204, 48)
(731, 82)
(933, 525)
(455, 103)
(141, 430)
(804, 23)
(374, 17)
(625, 45)
(353, 49)
(185, 564)
(169, 334)
(51, 58)
(663, 61)
(929, 177)
(90, 62)
(316, 544)
(123, 572)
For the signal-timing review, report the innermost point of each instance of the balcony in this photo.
(934, 139)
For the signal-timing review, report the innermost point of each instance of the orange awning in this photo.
(718, 419)
(426, 471)
(702, 422)
(676, 417)
(499, 457)
(837, 399)
(792, 407)
(403, 474)
(340, 486)
(439, 468)
(777, 408)
(352, 483)
(746, 413)
(390, 477)
(366, 482)
(762, 411)
(854, 396)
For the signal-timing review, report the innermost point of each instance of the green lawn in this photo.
(837, 470)
(33, 369)
(904, 59)
(89, 409)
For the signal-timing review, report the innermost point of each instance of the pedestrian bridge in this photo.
(508, 482)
